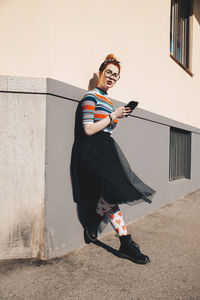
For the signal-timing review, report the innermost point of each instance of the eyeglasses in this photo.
(108, 73)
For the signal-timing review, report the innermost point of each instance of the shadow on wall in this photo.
(82, 208)
(93, 82)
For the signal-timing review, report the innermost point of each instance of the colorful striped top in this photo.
(96, 106)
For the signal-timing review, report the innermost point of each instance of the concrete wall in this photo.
(38, 215)
(144, 138)
(68, 40)
(22, 168)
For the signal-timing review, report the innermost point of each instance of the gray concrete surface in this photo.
(171, 238)
(22, 168)
(144, 137)
(37, 213)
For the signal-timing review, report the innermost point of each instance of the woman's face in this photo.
(108, 77)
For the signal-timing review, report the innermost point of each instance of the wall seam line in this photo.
(74, 100)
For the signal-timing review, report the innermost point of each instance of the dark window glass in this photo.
(179, 154)
(179, 30)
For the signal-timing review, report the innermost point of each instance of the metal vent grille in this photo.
(179, 154)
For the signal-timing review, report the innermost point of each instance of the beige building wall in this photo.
(67, 40)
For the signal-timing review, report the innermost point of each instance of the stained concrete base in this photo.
(171, 238)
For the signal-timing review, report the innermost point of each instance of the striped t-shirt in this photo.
(96, 106)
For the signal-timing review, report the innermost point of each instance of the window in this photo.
(180, 31)
(179, 154)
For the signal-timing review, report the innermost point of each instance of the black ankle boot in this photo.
(92, 225)
(129, 249)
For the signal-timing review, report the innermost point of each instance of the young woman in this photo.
(101, 175)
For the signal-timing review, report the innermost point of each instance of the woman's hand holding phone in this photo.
(132, 105)
(120, 112)
(124, 111)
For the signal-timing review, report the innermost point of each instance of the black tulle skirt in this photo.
(100, 169)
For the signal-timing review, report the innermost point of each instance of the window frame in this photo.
(187, 66)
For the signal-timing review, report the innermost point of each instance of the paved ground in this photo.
(171, 238)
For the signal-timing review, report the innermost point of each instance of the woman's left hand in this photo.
(120, 112)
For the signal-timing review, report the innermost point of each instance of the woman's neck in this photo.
(102, 89)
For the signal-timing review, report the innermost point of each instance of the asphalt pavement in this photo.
(170, 236)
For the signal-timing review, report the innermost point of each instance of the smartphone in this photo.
(132, 105)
